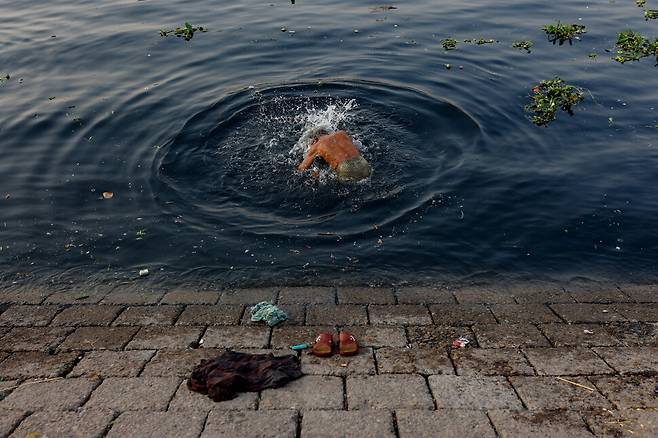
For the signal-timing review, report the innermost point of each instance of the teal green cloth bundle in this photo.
(268, 312)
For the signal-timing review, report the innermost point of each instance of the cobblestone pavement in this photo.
(543, 360)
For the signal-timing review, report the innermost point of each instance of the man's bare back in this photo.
(339, 152)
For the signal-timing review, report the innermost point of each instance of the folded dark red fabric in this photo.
(232, 372)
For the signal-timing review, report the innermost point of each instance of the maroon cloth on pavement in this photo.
(232, 372)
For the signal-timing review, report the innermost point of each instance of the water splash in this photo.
(318, 121)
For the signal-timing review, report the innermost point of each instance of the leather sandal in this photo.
(323, 345)
(347, 345)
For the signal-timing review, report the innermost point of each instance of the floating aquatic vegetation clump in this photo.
(549, 96)
(479, 41)
(631, 46)
(523, 45)
(640, 3)
(563, 32)
(4, 78)
(449, 43)
(651, 14)
(186, 32)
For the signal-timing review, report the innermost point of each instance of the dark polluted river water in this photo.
(197, 141)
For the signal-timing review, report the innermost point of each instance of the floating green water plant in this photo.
(640, 3)
(4, 78)
(523, 45)
(563, 32)
(631, 46)
(479, 41)
(549, 96)
(651, 14)
(449, 43)
(186, 32)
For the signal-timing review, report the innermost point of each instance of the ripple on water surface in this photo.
(233, 165)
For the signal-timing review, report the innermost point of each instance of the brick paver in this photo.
(484, 295)
(401, 314)
(420, 360)
(150, 338)
(87, 315)
(435, 336)
(210, 315)
(28, 316)
(133, 297)
(491, 362)
(305, 393)
(539, 423)
(331, 424)
(24, 365)
(307, 295)
(509, 335)
(342, 314)
(157, 424)
(76, 297)
(365, 295)
(579, 335)
(566, 361)
(9, 419)
(628, 392)
(623, 423)
(251, 424)
(552, 393)
(388, 392)
(134, 394)
(248, 296)
(473, 392)
(148, 315)
(444, 422)
(98, 338)
(461, 314)
(177, 363)
(190, 297)
(83, 362)
(34, 338)
(601, 313)
(59, 394)
(424, 295)
(236, 337)
(520, 313)
(85, 423)
(641, 293)
(112, 363)
(630, 360)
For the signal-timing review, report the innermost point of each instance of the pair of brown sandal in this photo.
(324, 345)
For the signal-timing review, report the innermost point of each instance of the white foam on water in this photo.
(318, 121)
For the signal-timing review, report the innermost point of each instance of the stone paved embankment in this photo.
(543, 359)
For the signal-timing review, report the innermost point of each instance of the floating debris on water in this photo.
(4, 78)
(549, 96)
(186, 32)
(563, 32)
(651, 14)
(108, 195)
(631, 46)
(640, 3)
(523, 45)
(140, 234)
(143, 272)
(479, 41)
(449, 43)
(384, 8)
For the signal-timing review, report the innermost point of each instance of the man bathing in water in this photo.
(339, 152)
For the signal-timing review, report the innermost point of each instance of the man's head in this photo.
(356, 169)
